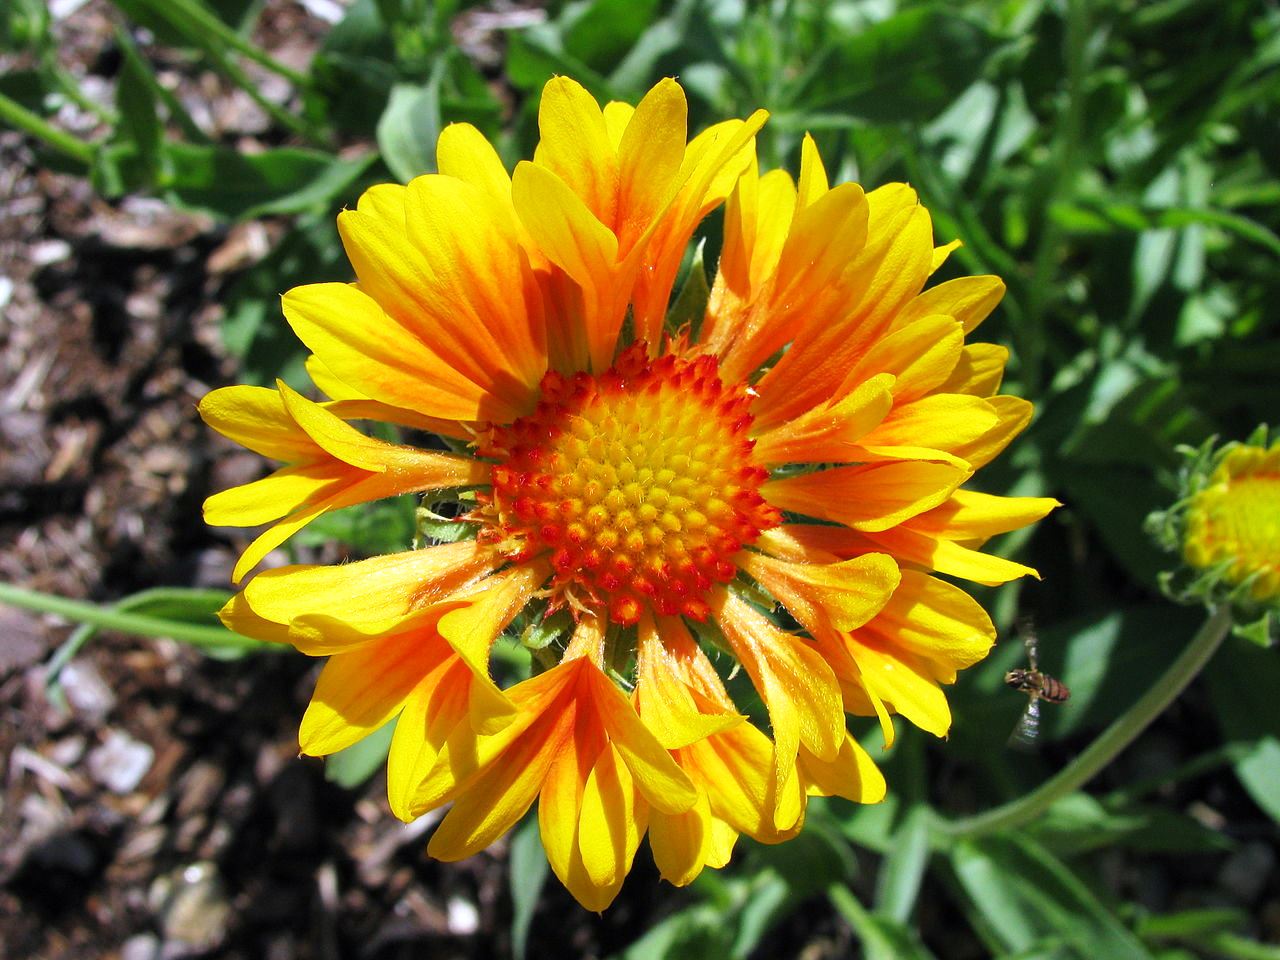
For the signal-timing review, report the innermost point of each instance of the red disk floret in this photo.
(638, 482)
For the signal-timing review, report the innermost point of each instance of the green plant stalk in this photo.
(274, 110)
(1122, 732)
(175, 10)
(124, 621)
(18, 116)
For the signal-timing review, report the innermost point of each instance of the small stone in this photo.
(86, 691)
(67, 751)
(120, 762)
(23, 641)
(195, 911)
(463, 917)
(144, 946)
(48, 252)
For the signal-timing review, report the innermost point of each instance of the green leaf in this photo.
(1079, 823)
(882, 938)
(252, 328)
(906, 68)
(238, 186)
(529, 870)
(599, 33)
(408, 129)
(24, 25)
(534, 55)
(140, 124)
(1025, 895)
(351, 767)
(1243, 680)
(386, 526)
(903, 870)
(691, 303)
(353, 72)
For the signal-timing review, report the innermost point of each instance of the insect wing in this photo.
(1024, 734)
(1031, 642)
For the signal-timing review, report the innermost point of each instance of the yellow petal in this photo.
(472, 629)
(979, 370)
(969, 515)
(318, 635)
(944, 421)
(328, 384)
(843, 595)
(656, 775)
(238, 617)
(1014, 414)
(793, 680)
(920, 356)
(435, 708)
(610, 826)
(890, 269)
(900, 679)
(374, 591)
(380, 358)
(255, 417)
(496, 798)
(948, 557)
(278, 533)
(852, 774)
(332, 435)
(463, 152)
(384, 201)
(467, 755)
(480, 275)
(360, 691)
(616, 117)
(873, 497)
(272, 497)
(829, 433)
(940, 254)
(937, 621)
(679, 842)
(649, 157)
(575, 146)
(572, 238)
(560, 802)
(720, 843)
(665, 701)
(968, 299)
(813, 175)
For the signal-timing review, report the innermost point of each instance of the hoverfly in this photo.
(1037, 686)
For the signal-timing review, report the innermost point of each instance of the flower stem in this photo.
(195, 634)
(19, 117)
(195, 21)
(1122, 732)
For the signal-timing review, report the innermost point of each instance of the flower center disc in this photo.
(1238, 519)
(638, 482)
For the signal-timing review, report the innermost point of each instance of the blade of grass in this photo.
(136, 623)
(196, 22)
(18, 116)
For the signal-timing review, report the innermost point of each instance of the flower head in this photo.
(1226, 525)
(777, 483)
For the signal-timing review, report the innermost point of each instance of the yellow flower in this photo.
(1234, 521)
(781, 482)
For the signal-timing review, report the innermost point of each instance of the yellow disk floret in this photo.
(638, 482)
(1235, 521)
